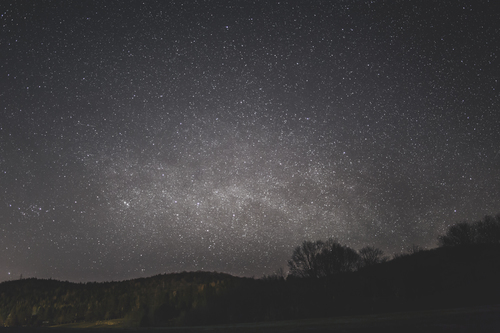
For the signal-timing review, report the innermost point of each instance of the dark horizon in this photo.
(144, 138)
(426, 285)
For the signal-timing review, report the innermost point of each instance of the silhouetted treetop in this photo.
(486, 231)
(336, 258)
(321, 259)
(370, 255)
(304, 262)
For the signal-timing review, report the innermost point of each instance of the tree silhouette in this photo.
(336, 258)
(461, 233)
(304, 262)
(486, 231)
(321, 259)
(414, 248)
(370, 255)
(278, 275)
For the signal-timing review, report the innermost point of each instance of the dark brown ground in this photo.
(476, 319)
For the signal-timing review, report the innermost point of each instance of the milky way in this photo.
(145, 138)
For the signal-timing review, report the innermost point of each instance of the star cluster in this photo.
(143, 137)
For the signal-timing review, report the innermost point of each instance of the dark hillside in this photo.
(437, 278)
(158, 300)
(440, 278)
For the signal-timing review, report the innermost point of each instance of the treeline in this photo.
(325, 279)
(486, 231)
(327, 259)
(321, 259)
(162, 300)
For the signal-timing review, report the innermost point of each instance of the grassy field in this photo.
(475, 319)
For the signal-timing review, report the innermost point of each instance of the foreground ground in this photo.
(475, 319)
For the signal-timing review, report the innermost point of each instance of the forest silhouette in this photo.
(325, 279)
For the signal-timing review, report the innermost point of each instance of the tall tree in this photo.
(336, 258)
(488, 230)
(485, 231)
(370, 255)
(304, 262)
(461, 233)
(321, 259)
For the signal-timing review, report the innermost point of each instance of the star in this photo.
(166, 138)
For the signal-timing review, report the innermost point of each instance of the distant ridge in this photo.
(445, 277)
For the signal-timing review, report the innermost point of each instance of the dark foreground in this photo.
(475, 319)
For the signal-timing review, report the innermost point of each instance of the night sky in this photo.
(148, 137)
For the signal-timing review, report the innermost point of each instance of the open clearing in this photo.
(474, 319)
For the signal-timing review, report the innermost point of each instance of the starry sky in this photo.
(148, 137)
